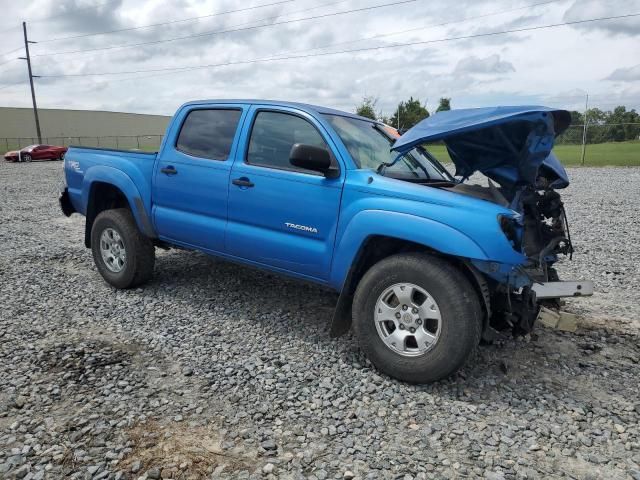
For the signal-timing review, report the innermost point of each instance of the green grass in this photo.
(618, 154)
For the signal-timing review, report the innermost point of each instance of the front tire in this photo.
(26, 157)
(124, 257)
(416, 317)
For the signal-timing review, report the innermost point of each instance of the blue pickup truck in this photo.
(426, 263)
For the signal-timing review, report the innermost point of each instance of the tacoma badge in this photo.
(304, 228)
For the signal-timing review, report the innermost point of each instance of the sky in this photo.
(553, 67)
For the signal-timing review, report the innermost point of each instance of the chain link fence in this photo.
(124, 142)
(597, 145)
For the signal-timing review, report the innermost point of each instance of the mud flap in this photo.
(341, 321)
(65, 203)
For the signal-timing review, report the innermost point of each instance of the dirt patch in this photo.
(80, 359)
(181, 452)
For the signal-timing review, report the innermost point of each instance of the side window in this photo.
(208, 133)
(272, 136)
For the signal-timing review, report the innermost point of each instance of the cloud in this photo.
(480, 71)
(581, 10)
(491, 65)
(630, 74)
(79, 17)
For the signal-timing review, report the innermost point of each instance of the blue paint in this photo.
(309, 226)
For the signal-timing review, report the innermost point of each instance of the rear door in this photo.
(192, 176)
(279, 215)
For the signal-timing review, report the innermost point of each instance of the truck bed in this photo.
(132, 171)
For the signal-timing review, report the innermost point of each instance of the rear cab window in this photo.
(208, 133)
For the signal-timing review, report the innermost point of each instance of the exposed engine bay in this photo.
(546, 229)
(542, 235)
(544, 225)
(512, 147)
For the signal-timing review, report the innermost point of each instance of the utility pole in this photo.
(31, 77)
(584, 129)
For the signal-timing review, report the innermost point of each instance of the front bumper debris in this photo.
(546, 290)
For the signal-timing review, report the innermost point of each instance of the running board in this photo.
(563, 289)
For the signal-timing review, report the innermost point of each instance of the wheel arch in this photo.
(406, 228)
(377, 247)
(104, 194)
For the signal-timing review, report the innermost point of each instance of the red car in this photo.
(36, 152)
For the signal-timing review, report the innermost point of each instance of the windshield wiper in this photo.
(423, 168)
(383, 166)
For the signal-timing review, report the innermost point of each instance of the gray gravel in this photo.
(220, 371)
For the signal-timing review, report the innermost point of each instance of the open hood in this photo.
(511, 145)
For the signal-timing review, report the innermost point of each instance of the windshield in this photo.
(369, 144)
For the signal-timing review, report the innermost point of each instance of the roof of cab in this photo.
(302, 106)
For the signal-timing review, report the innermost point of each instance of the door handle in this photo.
(170, 170)
(243, 182)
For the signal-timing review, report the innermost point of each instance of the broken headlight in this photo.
(510, 226)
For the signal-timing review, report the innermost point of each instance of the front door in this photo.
(280, 215)
(192, 177)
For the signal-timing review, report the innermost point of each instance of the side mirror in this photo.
(312, 158)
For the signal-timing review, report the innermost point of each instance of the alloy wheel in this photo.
(408, 319)
(112, 250)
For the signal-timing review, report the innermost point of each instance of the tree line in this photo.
(407, 114)
(617, 125)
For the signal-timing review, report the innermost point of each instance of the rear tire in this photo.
(442, 298)
(124, 257)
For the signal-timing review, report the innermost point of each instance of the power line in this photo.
(264, 19)
(217, 14)
(2, 87)
(357, 50)
(9, 61)
(364, 38)
(11, 51)
(218, 32)
(451, 22)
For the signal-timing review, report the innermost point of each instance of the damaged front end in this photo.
(512, 146)
(540, 230)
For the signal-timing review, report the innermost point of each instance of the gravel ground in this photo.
(219, 371)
